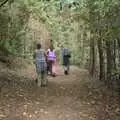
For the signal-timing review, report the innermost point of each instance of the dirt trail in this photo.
(72, 97)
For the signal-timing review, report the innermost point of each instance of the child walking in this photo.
(41, 66)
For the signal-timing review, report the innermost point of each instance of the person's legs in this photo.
(44, 80)
(47, 67)
(39, 79)
(50, 67)
(44, 75)
(65, 70)
(66, 65)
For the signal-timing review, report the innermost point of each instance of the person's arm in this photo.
(45, 54)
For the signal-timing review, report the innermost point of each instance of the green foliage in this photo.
(13, 18)
(70, 27)
(67, 27)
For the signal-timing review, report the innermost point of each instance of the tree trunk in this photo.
(110, 61)
(101, 60)
(118, 41)
(114, 55)
(92, 57)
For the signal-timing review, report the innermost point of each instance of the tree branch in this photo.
(4, 2)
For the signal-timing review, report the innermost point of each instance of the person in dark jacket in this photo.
(66, 59)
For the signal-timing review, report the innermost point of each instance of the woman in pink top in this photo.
(51, 59)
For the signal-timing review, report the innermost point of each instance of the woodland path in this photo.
(72, 97)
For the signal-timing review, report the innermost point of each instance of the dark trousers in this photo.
(49, 66)
(66, 63)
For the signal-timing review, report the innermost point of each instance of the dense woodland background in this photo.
(90, 28)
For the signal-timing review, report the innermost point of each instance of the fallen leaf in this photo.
(30, 116)
(41, 110)
(24, 113)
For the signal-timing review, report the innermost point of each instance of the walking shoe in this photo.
(43, 85)
(66, 72)
(36, 80)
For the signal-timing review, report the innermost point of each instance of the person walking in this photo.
(66, 59)
(41, 66)
(51, 59)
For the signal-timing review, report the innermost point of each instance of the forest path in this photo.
(71, 97)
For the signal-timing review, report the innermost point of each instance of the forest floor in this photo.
(72, 97)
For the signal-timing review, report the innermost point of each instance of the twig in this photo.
(4, 2)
